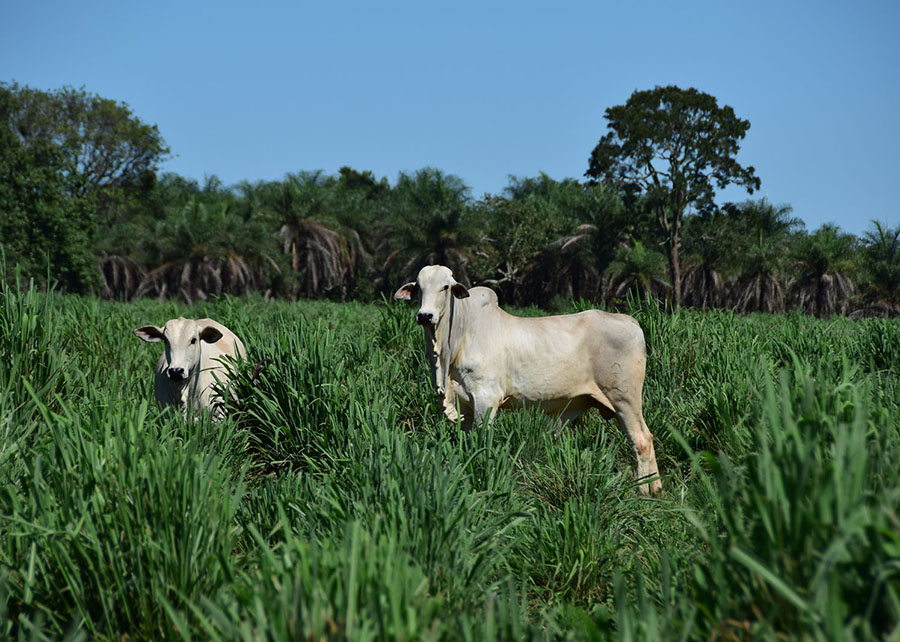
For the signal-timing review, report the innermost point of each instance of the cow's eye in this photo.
(194, 340)
(446, 287)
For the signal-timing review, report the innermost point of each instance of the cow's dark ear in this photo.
(459, 291)
(407, 292)
(149, 333)
(210, 334)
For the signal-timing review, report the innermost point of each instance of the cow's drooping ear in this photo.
(459, 291)
(406, 292)
(149, 333)
(210, 334)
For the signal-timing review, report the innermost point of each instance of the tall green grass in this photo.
(336, 502)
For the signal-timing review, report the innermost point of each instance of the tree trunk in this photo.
(673, 245)
(671, 230)
(674, 272)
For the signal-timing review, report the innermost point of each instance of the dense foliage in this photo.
(672, 146)
(82, 203)
(70, 163)
(337, 502)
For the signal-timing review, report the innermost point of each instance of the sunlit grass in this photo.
(335, 501)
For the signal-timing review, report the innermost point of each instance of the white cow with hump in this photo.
(484, 359)
(191, 363)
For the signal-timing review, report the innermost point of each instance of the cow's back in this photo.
(213, 371)
(594, 334)
(553, 358)
(229, 344)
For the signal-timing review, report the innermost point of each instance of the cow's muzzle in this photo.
(425, 318)
(178, 375)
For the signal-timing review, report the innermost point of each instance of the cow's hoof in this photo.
(648, 485)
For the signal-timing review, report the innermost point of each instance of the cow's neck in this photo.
(443, 343)
(186, 391)
(432, 351)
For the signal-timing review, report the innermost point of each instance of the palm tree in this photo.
(640, 270)
(204, 249)
(592, 246)
(881, 261)
(322, 258)
(762, 230)
(250, 199)
(707, 246)
(571, 234)
(120, 276)
(702, 285)
(118, 259)
(823, 260)
(123, 248)
(430, 221)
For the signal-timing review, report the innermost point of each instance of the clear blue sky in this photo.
(252, 90)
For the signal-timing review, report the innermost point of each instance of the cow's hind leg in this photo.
(632, 422)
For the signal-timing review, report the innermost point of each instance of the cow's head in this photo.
(433, 288)
(182, 338)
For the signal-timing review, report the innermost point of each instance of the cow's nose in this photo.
(176, 374)
(423, 318)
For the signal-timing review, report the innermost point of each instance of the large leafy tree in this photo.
(43, 228)
(675, 146)
(73, 166)
(364, 182)
(109, 155)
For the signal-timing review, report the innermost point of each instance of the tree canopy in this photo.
(81, 203)
(674, 146)
(70, 160)
(107, 150)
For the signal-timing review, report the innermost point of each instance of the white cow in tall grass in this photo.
(483, 359)
(192, 363)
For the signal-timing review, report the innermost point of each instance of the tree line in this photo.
(84, 205)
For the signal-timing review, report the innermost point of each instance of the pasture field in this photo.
(337, 502)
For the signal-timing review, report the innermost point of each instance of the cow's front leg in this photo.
(484, 406)
(449, 403)
(568, 417)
